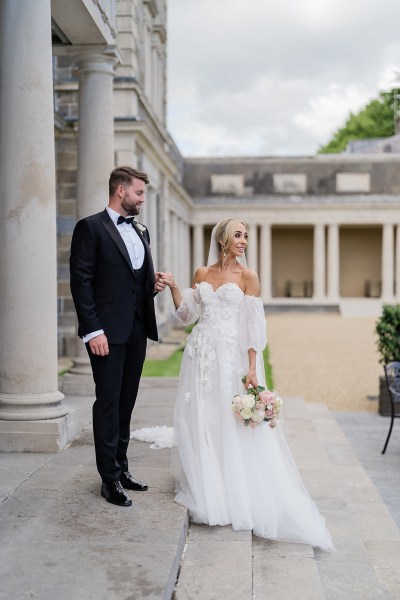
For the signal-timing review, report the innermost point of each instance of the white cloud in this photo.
(274, 78)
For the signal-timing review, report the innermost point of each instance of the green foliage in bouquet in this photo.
(388, 330)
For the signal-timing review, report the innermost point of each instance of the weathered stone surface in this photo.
(216, 568)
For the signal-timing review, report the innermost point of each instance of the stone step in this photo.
(219, 562)
(365, 535)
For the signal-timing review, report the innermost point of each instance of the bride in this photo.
(228, 473)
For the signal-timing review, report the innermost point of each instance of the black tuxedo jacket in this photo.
(103, 281)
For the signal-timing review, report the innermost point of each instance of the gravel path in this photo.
(325, 358)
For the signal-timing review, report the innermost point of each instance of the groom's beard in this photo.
(131, 209)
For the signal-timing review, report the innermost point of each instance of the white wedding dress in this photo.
(227, 473)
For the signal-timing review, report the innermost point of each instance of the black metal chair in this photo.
(392, 373)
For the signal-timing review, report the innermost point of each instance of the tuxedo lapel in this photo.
(117, 239)
(146, 249)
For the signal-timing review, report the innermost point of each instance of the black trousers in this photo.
(116, 377)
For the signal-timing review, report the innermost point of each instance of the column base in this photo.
(81, 366)
(50, 435)
(32, 407)
(73, 384)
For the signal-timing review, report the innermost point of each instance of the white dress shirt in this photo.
(134, 246)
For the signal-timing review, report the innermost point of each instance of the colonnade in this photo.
(326, 259)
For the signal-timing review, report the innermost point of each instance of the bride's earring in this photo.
(223, 251)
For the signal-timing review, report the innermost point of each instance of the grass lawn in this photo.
(170, 367)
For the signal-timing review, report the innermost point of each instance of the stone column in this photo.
(387, 262)
(333, 262)
(166, 251)
(198, 246)
(95, 130)
(319, 261)
(188, 256)
(175, 248)
(397, 274)
(252, 248)
(95, 157)
(181, 253)
(151, 201)
(265, 263)
(28, 272)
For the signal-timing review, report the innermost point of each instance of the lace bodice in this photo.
(225, 312)
(219, 309)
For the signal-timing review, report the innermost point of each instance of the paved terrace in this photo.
(61, 540)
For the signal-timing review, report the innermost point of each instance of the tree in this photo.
(375, 120)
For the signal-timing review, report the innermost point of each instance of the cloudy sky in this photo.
(263, 77)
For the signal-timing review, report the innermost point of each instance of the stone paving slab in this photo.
(217, 563)
(282, 571)
(60, 539)
(367, 562)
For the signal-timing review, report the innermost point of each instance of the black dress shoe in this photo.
(114, 493)
(129, 483)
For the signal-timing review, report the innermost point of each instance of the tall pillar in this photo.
(252, 248)
(166, 251)
(397, 263)
(28, 272)
(387, 262)
(151, 201)
(198, 246)
(95, 130)
(181, 255)
(175, 250)
(95, 160)
(188, 256)
(319, 261)
(265, 263)
(333, 262)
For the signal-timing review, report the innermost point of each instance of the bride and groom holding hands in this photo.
(225, 473)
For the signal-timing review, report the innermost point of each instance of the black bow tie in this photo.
(128, 220)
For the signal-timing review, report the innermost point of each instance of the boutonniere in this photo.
(141, 227)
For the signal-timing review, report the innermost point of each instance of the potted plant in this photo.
(388, 331)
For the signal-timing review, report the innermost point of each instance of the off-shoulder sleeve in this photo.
(189, 309)
(252, 324)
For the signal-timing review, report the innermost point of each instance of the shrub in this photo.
(388, 330)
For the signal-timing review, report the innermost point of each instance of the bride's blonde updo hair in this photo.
(225, 233)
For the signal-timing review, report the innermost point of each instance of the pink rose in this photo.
(267, 397)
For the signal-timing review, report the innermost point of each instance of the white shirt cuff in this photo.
(90, 336)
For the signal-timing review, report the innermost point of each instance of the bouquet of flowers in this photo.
(257, 405)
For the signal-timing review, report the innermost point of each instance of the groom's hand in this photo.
(99, 345)
(160, 282)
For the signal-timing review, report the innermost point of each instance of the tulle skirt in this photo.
(227, 473)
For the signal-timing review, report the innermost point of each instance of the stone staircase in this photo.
(61, 540)
(218, 562)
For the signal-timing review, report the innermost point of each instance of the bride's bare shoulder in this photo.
(200, 274)
(249, 274)
(251, 282)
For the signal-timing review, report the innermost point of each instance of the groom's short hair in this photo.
(124, 176)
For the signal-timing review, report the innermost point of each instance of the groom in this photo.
(113, 286)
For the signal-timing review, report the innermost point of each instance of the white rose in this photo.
(248, 401)
(246, 413)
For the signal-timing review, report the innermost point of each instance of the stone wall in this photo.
(319, 175)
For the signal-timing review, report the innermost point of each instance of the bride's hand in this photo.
(169, 280)
(251, 379)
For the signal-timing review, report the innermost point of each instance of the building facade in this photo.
(324, 231)
(90, 94)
